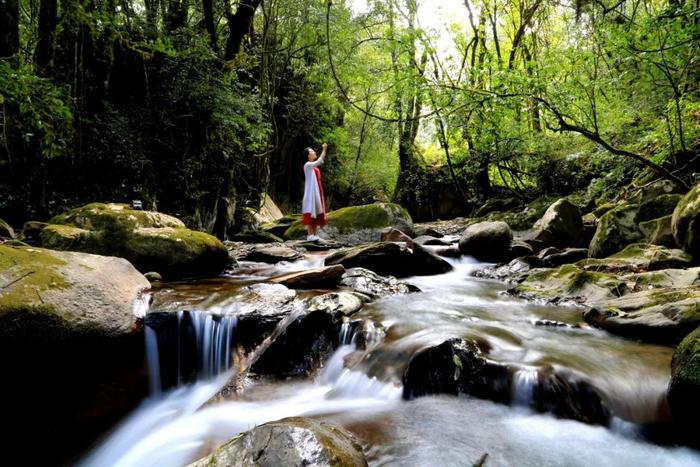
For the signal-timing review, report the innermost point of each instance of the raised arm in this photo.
(321, 158)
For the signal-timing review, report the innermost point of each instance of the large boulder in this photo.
(151, 241)
(388, 258)
(638, 257)
(70, 344)
(487, 241)
(269, 211)
(684, 387)
(51, 296)
(291, 442)
(616, 229)
(357, 224)
(658, 231)
(5, 230)
(561, 225)
(662, 205)
(658, 315)
(685, 223)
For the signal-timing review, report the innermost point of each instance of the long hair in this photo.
(307, 151)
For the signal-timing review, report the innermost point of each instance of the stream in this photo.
(361, 389)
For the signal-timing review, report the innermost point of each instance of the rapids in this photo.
(177, 426)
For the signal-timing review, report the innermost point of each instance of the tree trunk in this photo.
(238, 26)
(44, 53)
(208, 9)
(9, 28)
(176, 17)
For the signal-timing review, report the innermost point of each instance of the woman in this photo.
(313, 206)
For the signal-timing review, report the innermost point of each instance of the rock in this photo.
(673, 278)
(317, 245)
(639, 257)
(268, 212)
(32, 231)
(570, 283)
(487, 241)
(662, 315)
(50, 296)
(369, 283)
(520, 248)
(561, 225)
(654, 190)
(5, 230)
(336, 303)
(153, 276)
(685, 222)
(659, 206)
(280, 226)
(684, 386)
(428, 240)
(391, 234)
(326, 277)
(357, 224)
(498, 204)
(658, 232)
(512, 272)
(569, 255)
(419, 230)
(389, 258)
(149, 240)
(256, 236)
(602, 209)
(617, 228)
(290, 442)
(460, 366)
(448, 252)
(271, 254)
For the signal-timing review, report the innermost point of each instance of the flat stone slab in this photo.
(327, 276)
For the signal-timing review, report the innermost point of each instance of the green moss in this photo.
(24, 274)
(112, 216)
(65, 237)
(660, 206)
(353, 218)
(568, 281)
(602, 209)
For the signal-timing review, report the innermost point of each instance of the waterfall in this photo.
(523, 386)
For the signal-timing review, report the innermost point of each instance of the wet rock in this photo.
(336, 303)
(389, 258)
(570, 283)
(487, 241)
(665, 278)
(569, 397)
(617, 228)
(428, 240)
(256, 236)
(512, 272)
(661, 315)
(149, 240)
(327, 277)
(153, 276)
(449, 252)
(639, 257)
(520, 248)
(684, 386)
(5, 230)
(561, 225)
(685, 222)
(420, 229)
(658, 232)
(291, 442)
(376, 286)
(318, 245)
(31, 231)
(270, 254)
(357, 224)
(567, 256)
(391, 234)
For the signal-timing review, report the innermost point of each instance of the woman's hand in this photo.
(324, 146)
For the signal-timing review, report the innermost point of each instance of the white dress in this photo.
(312, 202)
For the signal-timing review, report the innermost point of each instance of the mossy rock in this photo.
(151, 241)
(665, 278)
(602, 209)
(616, 229)
(487, 241)
(561, 225)
(522, 219)
(365, 221)
(570, 283)
(280, 226)
(638, 257)
(658, 231)
(660, 206)
(662, 315)
(53, 296)
(256, 236)
(290, 441)
(684, 386)
(685, 222)
(5, 230)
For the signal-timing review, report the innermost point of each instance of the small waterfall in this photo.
(346, 333)
(523, 386)
(153, 361)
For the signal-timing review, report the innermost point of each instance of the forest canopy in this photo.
(193, 105)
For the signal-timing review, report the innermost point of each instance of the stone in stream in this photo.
(150, 240)
(388, 258)
(336, 303)
(568, 255)
(520, 248)
(270, 254)
(512, 272)
(256, 236)
(685, 222)
(419, 230)
(325, 277)
(487, 241)
(390, 234)
(639, 257)
(70, 342)
(375, 286)
(662, 315)
(429, 240)
(293, 441)
(460, 366)
(561, 225)
(684, 387)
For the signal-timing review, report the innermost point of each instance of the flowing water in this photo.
(176, 427)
